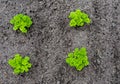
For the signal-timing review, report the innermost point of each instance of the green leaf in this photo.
(27, 58)
(16, 71)
(24, 62)
(79, 68)
(23, 30)
(26, 69)
(12, 21)
(88, 21)
(29, 65)
(78, 12)
(20, 64)
(72, 23)
(11, 63)
(72, 15)
(15, 28)
(21, 22)
(78, 58)
(70, 55)
(78, 18)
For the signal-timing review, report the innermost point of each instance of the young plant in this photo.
(21, 22)
(78, 58)
(78, 18)
(20, 64)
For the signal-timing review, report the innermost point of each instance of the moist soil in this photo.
(50, 39)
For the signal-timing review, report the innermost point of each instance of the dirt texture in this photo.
(50, 38)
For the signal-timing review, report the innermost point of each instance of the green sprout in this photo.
(20, 64)
(21, 22)
(78, 18)
(78, 58)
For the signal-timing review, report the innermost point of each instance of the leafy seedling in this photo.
(21, 22)
(78, 18)
(78, 58)
(20, 64)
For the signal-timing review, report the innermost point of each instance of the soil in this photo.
(50, 38)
